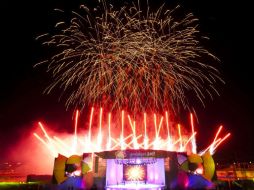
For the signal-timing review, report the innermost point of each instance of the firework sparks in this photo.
(133, 139)
(130, 59)
(216, 142)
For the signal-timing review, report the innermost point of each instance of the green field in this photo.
(24, 186)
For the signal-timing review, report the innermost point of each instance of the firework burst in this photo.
(130, 59)
(167, 137)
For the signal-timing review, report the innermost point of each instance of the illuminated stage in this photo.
(135, 169)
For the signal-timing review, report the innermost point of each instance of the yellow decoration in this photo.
(85, 168)
(209, 166)
(185, 166)
(74, 159)
(59, 168)
(195, 158)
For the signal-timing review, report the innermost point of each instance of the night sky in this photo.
(22, 102)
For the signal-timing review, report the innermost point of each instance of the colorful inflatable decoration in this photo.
(195, 172)
(75, 171)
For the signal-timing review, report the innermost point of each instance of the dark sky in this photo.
(227, 23)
